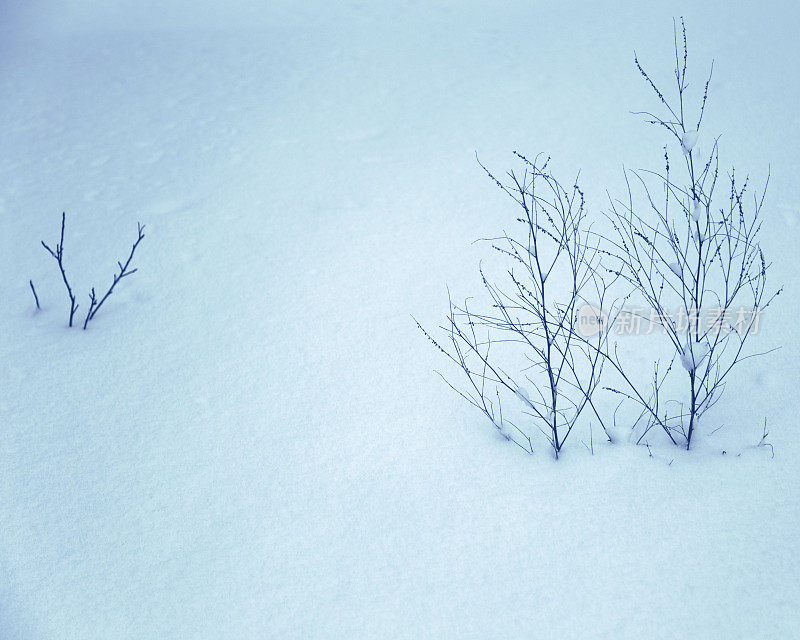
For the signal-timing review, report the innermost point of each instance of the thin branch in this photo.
(124, 271)
(35, 297)
(58, 255)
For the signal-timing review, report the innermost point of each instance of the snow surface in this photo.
(250, 441)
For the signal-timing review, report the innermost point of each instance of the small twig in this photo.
(92, 305)
(123, 272)
(58, 254)
(35, 297)
(763, 442)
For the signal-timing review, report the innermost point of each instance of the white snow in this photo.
(698, 233)
(250, 440)
(524, 396)
(697, 210)
(688, 140)
(693, 353)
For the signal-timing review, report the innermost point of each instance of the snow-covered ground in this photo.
(249, 441)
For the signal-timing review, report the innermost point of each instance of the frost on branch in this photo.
(688, 141)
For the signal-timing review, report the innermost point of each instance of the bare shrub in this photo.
(684, 242)
(523, 344)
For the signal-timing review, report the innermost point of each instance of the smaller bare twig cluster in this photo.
(94, 303)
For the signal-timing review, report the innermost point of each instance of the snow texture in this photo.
(250, 441)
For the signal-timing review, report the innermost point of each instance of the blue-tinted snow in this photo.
(250, 441)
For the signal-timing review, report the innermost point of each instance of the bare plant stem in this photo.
(124, 270)
(58, 254)
(35, 297)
